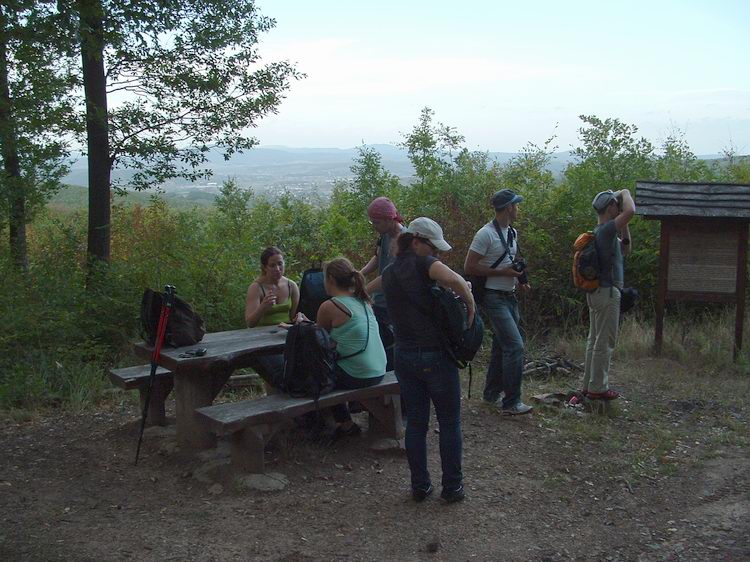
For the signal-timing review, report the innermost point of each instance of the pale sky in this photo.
(506, 73)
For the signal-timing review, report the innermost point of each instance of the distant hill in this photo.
(274, 167)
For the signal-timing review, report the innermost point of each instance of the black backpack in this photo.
(184, 327)
(312, 292)
(461, 340)
(309, 361)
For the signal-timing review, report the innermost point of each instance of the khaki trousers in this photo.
(604, 317)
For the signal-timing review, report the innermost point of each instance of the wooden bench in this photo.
(249, 424)
(129, 378)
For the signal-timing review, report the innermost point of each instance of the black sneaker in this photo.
(453, 496)
(421, 495)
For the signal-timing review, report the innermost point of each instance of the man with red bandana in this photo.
(387, 222)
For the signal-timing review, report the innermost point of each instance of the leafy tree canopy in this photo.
(183, 78)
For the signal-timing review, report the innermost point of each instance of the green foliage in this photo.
(59, 338)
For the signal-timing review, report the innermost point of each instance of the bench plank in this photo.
(249, 424)
(129, 378)
(133, 377)
(225, 419)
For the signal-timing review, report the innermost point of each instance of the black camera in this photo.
(628, 297)
(519, 265)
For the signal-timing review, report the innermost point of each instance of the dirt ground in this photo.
(656, 479)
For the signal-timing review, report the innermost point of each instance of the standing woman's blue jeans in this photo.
(424, 375)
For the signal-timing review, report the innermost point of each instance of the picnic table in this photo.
(197, 380)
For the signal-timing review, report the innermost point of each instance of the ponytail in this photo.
(403, 243)
(359, 287)
(343, 274)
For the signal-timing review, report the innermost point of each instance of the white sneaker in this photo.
(517, 409)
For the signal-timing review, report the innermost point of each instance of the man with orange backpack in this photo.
(612, 240)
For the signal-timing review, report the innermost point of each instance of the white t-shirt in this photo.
(488, 244)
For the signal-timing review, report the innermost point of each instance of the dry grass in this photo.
(682, 406)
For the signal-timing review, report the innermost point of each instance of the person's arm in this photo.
(446, 277)
(628, 210)
(473, 267)
(255, 308)
(375, 286)
(371, 266)
(627, 247)
(325, 315)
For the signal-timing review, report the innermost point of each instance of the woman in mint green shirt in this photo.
(271, 300)
(349, 318)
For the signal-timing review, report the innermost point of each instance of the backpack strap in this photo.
(341, 307)
(289, 355)
(367, 339)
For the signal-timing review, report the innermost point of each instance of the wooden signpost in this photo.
(703, 245)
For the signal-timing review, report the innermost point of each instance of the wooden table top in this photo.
(232, 347)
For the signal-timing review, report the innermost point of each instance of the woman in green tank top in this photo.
(271, 300)
(349, 318)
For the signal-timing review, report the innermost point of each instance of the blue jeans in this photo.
(347, 382)
(426, 374)
(269, 367)
(505, 370)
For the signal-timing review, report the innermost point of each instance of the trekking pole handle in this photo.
(169, 292)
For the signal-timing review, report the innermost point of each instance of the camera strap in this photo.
(506, 243)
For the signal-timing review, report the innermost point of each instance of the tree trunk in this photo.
(95, 87)
(12, 168)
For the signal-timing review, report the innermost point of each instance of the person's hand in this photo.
(526, 287)
(268, 301)
(284, 325)
(300, 317)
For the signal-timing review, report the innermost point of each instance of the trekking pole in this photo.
(166, 307)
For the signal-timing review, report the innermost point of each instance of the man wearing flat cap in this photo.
(614, 210)
(493, 254)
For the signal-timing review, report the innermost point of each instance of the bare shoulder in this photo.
(326, 306)
(253, 289)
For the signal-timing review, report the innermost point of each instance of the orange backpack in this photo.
(586, 263)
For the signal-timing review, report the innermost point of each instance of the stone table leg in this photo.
(385, 415)
(195, 390)
(192, 390)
